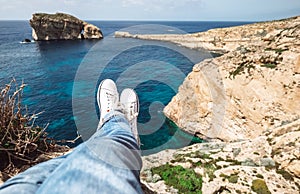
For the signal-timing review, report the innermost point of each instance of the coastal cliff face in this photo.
(258, 82)
(252, 87)
(62, 26)
(249, 98)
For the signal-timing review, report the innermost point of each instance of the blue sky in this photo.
(198, 10)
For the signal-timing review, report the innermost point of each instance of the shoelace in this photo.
(110, 98)
(132, 114)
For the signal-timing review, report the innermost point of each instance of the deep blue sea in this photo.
(50, 68)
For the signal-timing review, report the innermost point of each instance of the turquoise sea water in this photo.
(49, 69)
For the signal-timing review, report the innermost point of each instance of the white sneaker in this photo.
(130, 103)
(107, 98)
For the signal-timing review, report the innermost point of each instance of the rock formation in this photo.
(62, 26)
(249, 98)
(272, 160)
(255, 83)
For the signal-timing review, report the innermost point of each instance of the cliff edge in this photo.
(256, 86)
(62, 26)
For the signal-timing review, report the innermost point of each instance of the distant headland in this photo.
(61, 26)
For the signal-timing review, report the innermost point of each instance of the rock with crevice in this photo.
(61, 26)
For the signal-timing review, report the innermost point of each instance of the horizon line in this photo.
(158, 20)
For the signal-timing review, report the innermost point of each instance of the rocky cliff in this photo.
(252, 87)
(62, 26)
(249, 98)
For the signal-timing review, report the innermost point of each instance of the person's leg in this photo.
(109, 162)
(30, 180)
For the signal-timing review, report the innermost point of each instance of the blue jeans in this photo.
(109, 162)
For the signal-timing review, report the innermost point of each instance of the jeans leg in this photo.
(109, 162)
(30, 180)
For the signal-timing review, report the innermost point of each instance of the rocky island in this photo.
(245, 103)
(61, 26)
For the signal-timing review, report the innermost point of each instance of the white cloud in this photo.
(129, 3)
(159, 5)
(162, 9)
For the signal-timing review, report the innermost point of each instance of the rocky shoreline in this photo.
(249, 99)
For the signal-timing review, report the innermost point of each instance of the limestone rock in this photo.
(91, 31)
(258, 85)
(294, 167)
(62, 26)
(235, 166)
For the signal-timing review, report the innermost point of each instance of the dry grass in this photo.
(21, 140)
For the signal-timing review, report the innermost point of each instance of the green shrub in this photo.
(241, 69)
(260, 176)
(277, 50)
(260, 187)
(210, 169)
(233, 178)
(285, 174)
(269, 65)
(185, 180)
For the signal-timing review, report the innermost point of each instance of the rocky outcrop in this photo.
(62, 26)
(266, 164)
(252, 87)
(249, 98)
(258, 83)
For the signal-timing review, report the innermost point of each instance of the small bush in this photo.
(277, 50)
(233, 178)
(285, 174)
(260, 187)
(185, 180)
(260, 176)
(210, 169)
(269, 65)
(241, 69)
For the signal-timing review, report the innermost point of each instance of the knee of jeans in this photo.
(117, 152)
(116, 126)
